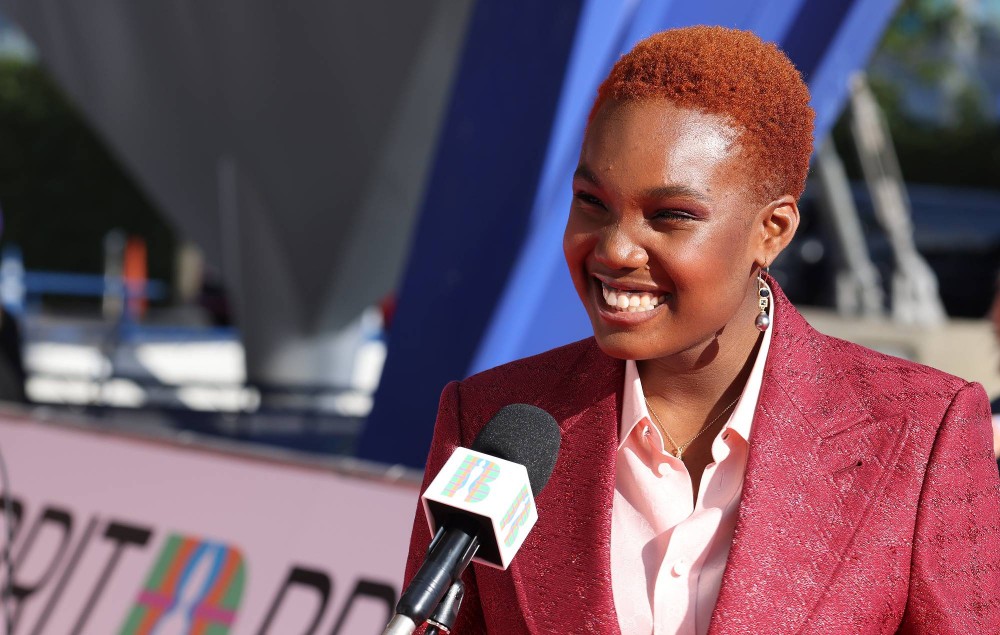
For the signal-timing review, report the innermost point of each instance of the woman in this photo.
(724, 467)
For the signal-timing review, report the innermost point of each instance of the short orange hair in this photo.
(734, 74)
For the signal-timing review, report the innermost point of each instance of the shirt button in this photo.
(681, 567)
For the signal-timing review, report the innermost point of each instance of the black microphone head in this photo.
(523, 434)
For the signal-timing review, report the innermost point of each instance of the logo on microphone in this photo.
(518, 513)
(471, 479)
(194, 587)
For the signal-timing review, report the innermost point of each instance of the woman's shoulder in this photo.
(845, 376)
(886, 372)
(805, 351)
(543, 366)
(826, 374)
(549, 380)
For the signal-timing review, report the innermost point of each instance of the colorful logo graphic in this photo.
(518, 513)
(194, 588)
(472, 477)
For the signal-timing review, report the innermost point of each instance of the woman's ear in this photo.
(778, 222)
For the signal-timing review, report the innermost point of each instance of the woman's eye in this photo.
(589, 199)
(673, 214)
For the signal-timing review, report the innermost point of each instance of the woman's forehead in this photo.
(659, 142)
(659, 123)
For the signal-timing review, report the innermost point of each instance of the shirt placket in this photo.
(676, 590)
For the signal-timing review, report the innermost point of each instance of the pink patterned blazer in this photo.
(871, 502)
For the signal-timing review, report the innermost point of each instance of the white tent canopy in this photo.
(290, 142)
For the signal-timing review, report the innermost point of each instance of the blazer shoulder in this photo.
(560, 381)
(844, 390)
(541, 366)
(885, 386)
(882, 368)
(820, 362)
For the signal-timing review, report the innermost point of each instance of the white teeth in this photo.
(633, 302)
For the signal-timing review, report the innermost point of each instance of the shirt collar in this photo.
(634, 402)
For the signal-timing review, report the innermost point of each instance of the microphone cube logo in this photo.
(492, 493)
(516, 516)
(194, 587)
(472, 478)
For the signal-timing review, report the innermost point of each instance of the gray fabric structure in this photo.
(290, 141)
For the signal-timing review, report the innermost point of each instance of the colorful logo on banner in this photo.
(518, 513)
(194, 588)
(472, 478)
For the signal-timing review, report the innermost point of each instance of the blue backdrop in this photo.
(486, 282)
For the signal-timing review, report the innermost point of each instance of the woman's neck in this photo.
(693, 384)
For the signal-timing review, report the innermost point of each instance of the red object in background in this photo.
(388, 307)
(136, 276)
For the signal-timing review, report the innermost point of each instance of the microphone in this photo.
(481, 506)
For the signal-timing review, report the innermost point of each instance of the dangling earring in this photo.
(764, 298)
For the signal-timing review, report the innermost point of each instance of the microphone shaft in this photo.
(448, 558)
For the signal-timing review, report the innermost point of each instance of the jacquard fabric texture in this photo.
(871, 501)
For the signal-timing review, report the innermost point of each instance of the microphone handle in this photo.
(449, 555)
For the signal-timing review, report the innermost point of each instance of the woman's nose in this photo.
(617, 250)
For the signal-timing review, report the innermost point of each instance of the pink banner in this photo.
(122, 535)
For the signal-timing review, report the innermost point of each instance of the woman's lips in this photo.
(629, 315)
(630, 301)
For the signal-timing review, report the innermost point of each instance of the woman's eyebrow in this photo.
(663, 191)
(675, 191)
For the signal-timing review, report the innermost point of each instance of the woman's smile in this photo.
(626, 303)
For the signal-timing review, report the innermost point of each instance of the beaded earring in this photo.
(764, 298)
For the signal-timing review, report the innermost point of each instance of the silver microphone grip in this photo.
(399, 625)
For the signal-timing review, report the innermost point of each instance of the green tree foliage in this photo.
(961, 146)
(61, 189)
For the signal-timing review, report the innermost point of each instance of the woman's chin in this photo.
(625, 345)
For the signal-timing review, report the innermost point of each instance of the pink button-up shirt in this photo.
(667, 553)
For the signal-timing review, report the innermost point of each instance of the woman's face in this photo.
(663, 231)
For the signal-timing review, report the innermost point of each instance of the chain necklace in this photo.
(679, 448)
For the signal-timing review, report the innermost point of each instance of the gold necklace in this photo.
(679, 448)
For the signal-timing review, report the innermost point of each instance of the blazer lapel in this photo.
(817, 460)
(562, 573)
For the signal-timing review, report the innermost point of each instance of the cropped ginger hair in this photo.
(733, 74)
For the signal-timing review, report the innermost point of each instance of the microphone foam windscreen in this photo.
(523, 434)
